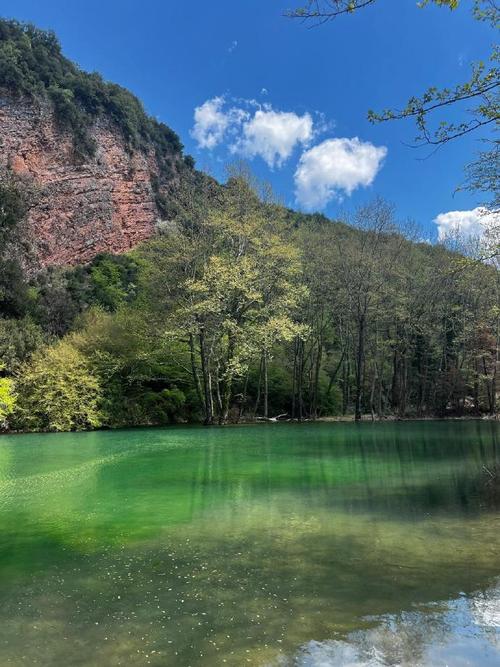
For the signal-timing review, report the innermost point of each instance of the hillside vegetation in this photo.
(32, 65)
(237, 309)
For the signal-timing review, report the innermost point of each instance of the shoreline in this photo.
(394, 418)
(342, 419)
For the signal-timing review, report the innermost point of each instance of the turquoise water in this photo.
(315, 544)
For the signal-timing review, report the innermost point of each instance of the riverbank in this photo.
(282, 419)
(395, 418)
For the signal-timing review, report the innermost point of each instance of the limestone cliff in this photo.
(104, 202)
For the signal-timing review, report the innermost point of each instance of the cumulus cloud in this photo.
(210, 123)
(471, 223)
(336, 167)
(273, 135)
(251, 129)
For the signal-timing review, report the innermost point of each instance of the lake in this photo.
(276, 545)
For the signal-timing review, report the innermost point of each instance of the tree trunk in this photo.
(490, 388)
(228, 381)
(243, 399)
(207, 381)
(496, 361)
(300, 379)
(475, 390)
(372, 392)
(395, 382)
(317, 369)
(294, 375)
(257, 399)
(194, 371)
(266, 385)
(359, 369)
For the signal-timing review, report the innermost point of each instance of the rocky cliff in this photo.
(104, 202)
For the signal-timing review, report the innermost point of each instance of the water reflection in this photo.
(461, 632)
(234, 546)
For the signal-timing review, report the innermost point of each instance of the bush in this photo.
(163, 407)
(7, 399)
(57, 391)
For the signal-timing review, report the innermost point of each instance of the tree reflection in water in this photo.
(459, 633)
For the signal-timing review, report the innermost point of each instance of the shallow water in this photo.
(274, 545)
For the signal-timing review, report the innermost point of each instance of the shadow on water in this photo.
(264, 545)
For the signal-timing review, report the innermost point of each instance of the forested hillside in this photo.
(236, 308)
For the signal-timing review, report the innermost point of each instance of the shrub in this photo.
(57, 391)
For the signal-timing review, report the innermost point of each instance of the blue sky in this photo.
(291, 99)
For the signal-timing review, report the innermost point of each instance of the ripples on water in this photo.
(317, 545)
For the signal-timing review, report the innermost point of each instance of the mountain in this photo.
(99, 170)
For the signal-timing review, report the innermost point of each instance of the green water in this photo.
(275, 545)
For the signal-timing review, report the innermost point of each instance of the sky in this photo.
(238, 80)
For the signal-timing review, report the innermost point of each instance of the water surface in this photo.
(274, 545)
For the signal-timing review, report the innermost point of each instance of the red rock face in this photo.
(105, 204)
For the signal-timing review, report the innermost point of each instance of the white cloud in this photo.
(211, 122)
(273, 135)
(255, 129)
(467, 223)
(336, 166)
(232, 46)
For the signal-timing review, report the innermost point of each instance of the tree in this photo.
(57, 391)
(144, 378)
(364, 259)
(18, 340)
(229, 285)
(241, 303)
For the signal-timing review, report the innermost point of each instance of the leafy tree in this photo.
(57, 391)
(143, 380)
(15, 295)
(18, 340)
(54, 307)
(230, 284)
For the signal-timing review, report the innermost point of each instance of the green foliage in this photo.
(54, 305)
(108, 281)
(32, 65)
(18, 340)
(241, 308)
(163, 407)
(57, 391)
(58, 295)
(132, 364)
(326, 10)
(14, 294)
(14, 289)
(235, 286)
(7, 399)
